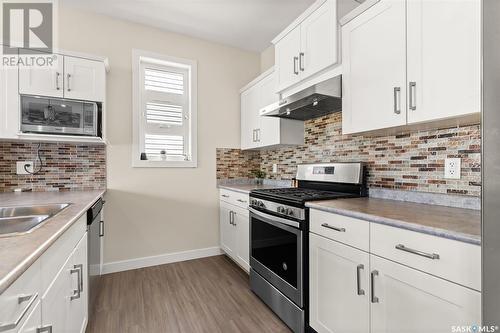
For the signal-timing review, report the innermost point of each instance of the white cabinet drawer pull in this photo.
(57, 81)
(240, 200)
(30, 299)
(358, 279)
(373, 274)
(77, 292)
(225, 196)
(68, 76)
(326, 225)
(417, 252)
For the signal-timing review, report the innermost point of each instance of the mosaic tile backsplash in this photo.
(412, 161)
(67, 166)
(235, 163)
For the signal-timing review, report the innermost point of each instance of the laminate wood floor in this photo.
(204, 295)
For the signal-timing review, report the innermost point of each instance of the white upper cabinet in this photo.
(374, 68)
(260, 131)
(444, 59)
(269, 127)
(9, 102)
(84, 79)
(69, 77)
(247, 129)
(411, 62)
(287, 59)
(407, 300)
(318, 40)
(308, 45)
(43, 81)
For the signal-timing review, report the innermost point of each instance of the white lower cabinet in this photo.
(227, 230)
(64, 305)
(235, 229)
(78, 309)
(411, 301)
(52, 295)
(242, 225)
(339, 287)
(355, 291)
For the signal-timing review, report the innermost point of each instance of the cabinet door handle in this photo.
(397, 100)
(47, 329)
(57, 81)
(80, 277)
(68, 85)
(301, 61)
(101, 228)
(326, 225)
(258, 134)
(374, 299)
(21, 299)
(234, 223)
(231, 217)
(413, 95)
(295, 70)
(432, 256)
(358, 279)
(76, 292)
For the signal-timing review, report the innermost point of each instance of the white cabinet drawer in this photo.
(57, 254)
(341, 228)
(234, 198)
(19, 298)
(449, 259)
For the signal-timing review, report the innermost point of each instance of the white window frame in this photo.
(137, 112)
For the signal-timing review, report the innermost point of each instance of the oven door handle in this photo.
(272, 218)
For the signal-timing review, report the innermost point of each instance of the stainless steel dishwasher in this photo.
(95, 230)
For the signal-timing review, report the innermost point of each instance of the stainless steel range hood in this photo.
(316, 101)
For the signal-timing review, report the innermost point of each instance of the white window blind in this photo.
(166, 112)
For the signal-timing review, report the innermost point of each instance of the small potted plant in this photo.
(259, 175)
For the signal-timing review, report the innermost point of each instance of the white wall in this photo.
(267, 59)
(156, 211)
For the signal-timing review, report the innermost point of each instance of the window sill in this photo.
(164, 164)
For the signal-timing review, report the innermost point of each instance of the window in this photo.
(164, 111)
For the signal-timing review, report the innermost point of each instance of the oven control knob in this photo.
(281, 209)
(260, 204)
(290, 212)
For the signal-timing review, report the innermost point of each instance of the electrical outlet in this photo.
(20, 167)
(452, 168)
(275, 168)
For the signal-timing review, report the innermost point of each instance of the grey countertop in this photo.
(17, 253)
(448, 222)
(246, 188)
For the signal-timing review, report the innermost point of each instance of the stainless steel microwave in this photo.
(58, 116)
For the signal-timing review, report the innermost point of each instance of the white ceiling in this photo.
(246, 24)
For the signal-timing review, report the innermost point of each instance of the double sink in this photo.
(19, 220)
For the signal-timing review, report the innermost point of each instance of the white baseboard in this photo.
(125, 265)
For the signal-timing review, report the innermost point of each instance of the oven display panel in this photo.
(323, 170)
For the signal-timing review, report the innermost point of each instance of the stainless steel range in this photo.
(279, 225)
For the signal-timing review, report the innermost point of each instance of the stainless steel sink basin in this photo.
(19, 220)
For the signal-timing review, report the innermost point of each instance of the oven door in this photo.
(276, 253)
